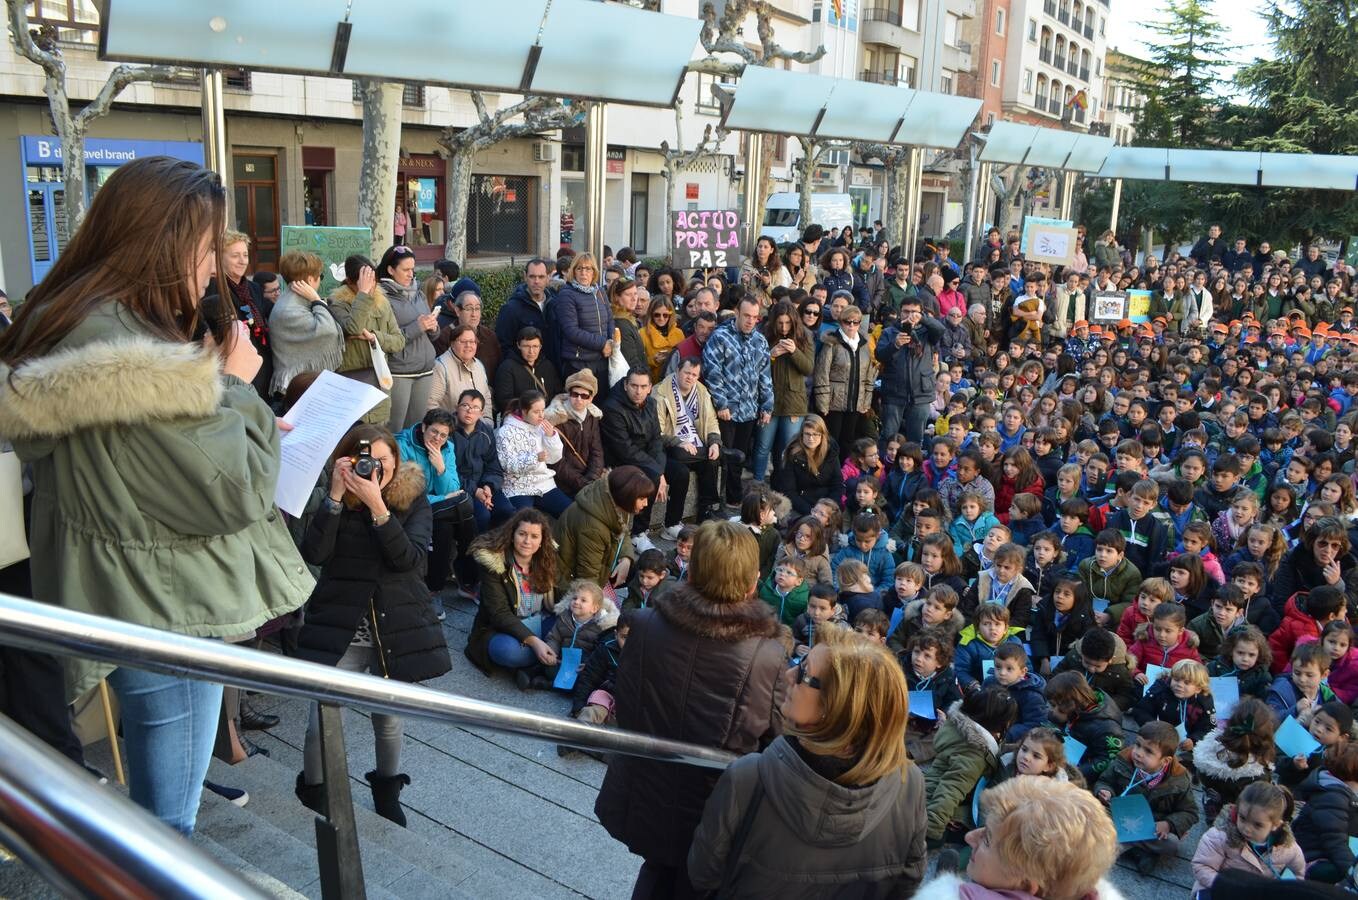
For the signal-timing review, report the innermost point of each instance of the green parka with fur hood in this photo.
(964, 752)
(154, 477)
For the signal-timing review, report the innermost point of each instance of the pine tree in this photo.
(1179, 77)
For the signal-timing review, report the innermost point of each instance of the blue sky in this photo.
(1245, 33)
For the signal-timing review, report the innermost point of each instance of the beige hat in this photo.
(585, 379)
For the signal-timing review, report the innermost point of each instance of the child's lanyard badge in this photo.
(1183, 713)
(1000, 592)
(1139, 778)
(1259, 850)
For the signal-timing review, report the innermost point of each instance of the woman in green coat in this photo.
(366, 317)
(967, 749)
(791, 361)
(153, 460)
(593, 535)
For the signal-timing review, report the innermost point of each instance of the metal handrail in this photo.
(53, 629)
(93, 843)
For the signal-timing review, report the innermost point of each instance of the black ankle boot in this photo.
(311, 795)
(387, 795)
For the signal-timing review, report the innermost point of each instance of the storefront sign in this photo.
(706, 238)
(40, 150)
(433, 164)
(332, 245)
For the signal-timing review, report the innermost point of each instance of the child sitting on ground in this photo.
(1235, 754)
(1183, 699)
(1304, 687)
(928, 667)
(1330, 724)
(1254, 837)
(1088, 716)
(682, 552)
(1045, 565)
(1149, 768)
(856, 592)
(1025, 518)
(1041, 753)
(1304, 616)
(1225, 615)
(1330, 815)
(822, 611)
(786, 589)
(1003, 583)
(1060, 620)
(808, 544)
(871, 624)
(1245, 656)
(1162, 641)
(967, 749)
(974, 521)
(906, 582)
(592, 696)
(582, 616)
(650, 580)
(1011, 673)
(980, 557)
(868, 546)
(937, 610)
(977, 643)
(1109, 577)
(1100, 658)
(758, 512)
(1337, 639)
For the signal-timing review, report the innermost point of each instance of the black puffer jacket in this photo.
(799, 484)
(375, 572)
(631, 433)
(907, 375)
(478, 463)
(1323, 826)
(694, 671)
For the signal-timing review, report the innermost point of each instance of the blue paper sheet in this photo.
(1100, 605)
(922, 705)
(570, 668)
(1294, 740)
(897, 615)
(987, 668)
(1225, 695)
(1153, 673)
(1075, 751)
(1132, 818)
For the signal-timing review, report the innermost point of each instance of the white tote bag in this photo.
(380, 367)
(13, 540)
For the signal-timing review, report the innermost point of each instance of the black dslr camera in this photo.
(363, 462)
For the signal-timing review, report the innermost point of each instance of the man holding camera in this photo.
(907, 354)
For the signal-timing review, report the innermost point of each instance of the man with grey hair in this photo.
(701, 300)
(928, 295)
(975, 323)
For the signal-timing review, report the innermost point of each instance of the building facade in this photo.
(1121, 97)
(1055, 62)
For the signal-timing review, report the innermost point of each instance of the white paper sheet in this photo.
(327, 410)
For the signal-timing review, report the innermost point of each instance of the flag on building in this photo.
(1079, 100)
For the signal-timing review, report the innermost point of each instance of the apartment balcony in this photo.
(1045, 54)
(957, 56)
(1054, 106)
(1089, 29)
(882, 26)
(1060, 61)
(1079, 115)
(879, 77)
(1049, 7)
(1041, 102)
(1063, 17)
(1084, 74)
(1073, 66)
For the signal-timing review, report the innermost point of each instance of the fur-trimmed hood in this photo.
(406, 485)
(915, 610)
(686, 609)
(972, 732)
(1210, 758)
(559, 410)
(104, 383)
(493, 561)
(951, 887)
(606, 618)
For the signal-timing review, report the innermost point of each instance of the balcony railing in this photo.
(882, 14)
(1045, 54)
(1084, 73)
(1055, 106)
(1063, 17)
(1060, 61)
(1079, 115)
(1089, 28)
(880, 77)
(1049, 7)
(1073, 67)
(1041, 102)
(963, 46)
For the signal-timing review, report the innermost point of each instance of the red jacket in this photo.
(1131, 617)
(1005, 491)
(1146, 650)
(1297, 624)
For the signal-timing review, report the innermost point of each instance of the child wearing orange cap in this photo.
(1078, 345)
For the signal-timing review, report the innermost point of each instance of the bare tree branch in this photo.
(120, 78)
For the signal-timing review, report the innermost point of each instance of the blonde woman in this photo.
(841, 762)
(585, 320)
(810, 469)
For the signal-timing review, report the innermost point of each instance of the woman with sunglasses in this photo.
(842, 380)
(1323, 556)
(703, 664)
(841, 755)
(660, 336)
(576, 419)
(585, 320)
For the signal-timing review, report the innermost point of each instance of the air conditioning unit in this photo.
(544, 151)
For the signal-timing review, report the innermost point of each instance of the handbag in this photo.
(13, 540)
(380, 367)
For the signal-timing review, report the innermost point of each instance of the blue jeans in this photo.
(908, 420)
(553, 503)
(506, 651)
(771, 440)
(169, 728)
(485, 516)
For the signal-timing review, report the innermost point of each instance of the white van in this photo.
(782, 215)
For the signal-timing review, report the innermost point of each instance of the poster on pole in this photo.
(332, 245)
(1051, 244)
(1109, 307)
(1139, 306)
(706, 238)
(1031, 222)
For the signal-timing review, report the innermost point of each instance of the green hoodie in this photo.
(788, 608)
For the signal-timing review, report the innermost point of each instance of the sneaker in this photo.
(236, 796)
(671, 534)
(642, 542)
(437, 601)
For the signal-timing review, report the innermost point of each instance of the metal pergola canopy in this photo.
(572, 48)
(797, 103)
(1009, 143)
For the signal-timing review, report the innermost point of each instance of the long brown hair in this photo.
(138, 246)
(542, 571)
(814, 458)
(800, 336)
(373, 434)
